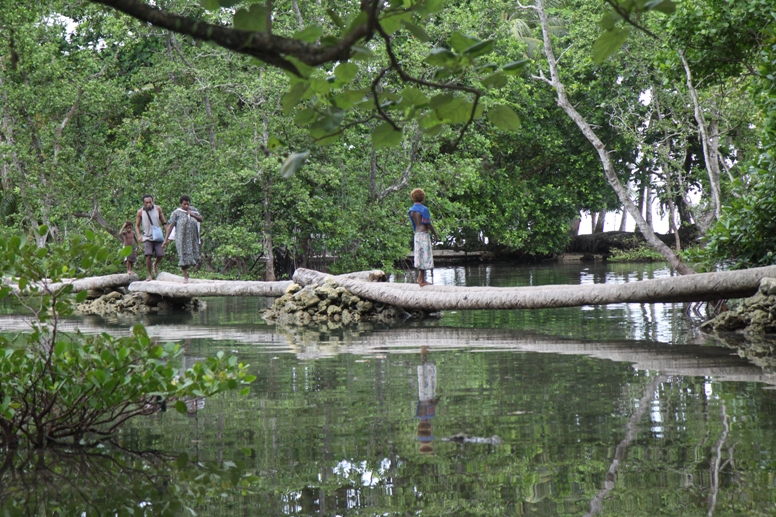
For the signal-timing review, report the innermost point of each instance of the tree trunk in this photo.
(574, 227)
(710, 141)
(611, 175)
(86, 284)
(599, 224)
(624, 220)
(697, 287)
(172, 288)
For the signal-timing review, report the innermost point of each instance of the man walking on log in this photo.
(151, 218)
(420, 218)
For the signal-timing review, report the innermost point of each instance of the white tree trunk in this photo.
(603, 154)
(84, 284)
(709, 140)
(697, 287)
(172, 286)
(304, 276)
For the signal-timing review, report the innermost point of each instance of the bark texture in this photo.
(175, 288)
(86, 284)
(304, 276)
(693, 288)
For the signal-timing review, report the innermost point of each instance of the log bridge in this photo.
(371, 285)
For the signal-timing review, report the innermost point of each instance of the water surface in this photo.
(599, 410)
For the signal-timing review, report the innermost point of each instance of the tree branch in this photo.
(265, 46)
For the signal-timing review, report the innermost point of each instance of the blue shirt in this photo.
(425, 215)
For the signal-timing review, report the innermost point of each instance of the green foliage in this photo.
(643, 253)
(61, 388)
(618, 21)
(117, 481)
(745, 235)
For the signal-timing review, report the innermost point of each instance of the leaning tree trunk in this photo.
(697, 287)
(709, 140)
(611, 176)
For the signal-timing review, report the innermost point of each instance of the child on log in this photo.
(127, 238)
(420, 217)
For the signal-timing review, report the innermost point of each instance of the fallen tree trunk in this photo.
(202, 288)
(172, 286)
(689, 288)
(304, 276)
(82, 284)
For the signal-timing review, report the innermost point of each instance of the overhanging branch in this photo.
(272, 49)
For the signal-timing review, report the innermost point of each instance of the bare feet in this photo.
(149, 279)
(423, 284)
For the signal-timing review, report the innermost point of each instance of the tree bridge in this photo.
(369, 285)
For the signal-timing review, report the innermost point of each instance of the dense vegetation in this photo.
(99, 109)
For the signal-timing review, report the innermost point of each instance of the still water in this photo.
(601, 410)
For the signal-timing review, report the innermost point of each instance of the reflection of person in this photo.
(427, 402)
(185, 220)
(420, 217)
(127, 237)
(150, 217)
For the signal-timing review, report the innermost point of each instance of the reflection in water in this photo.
(110, 480)
(427, 402)
(593, 410)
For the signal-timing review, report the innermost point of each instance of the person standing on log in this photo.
(151, 218)
(185, 222)
(420, 218)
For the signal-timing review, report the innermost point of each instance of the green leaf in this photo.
(210, 5)
(228, 3)
(90, 235)
(417, 31)
(385, 135)
(504, 117)
(182, 461)
(305, 117)
(274, 142)
(391, 23)
(320, 86)
(413, 96)
(663, 6)
(60, 348)
(361, 53)
(292, 97)
(456, 112)
(460, 42)
(253, 19)
(310, 34)
(293, 163)
(479, 49)
(348, 98)
(497, 80)
(430, 7)
(514, 67)
(608, 43)
(81, 296)
(441, 100)
(335, 18)
(125, 251)
(441, 57)
(346, 72)
(609, 20)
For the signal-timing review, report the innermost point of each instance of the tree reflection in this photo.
(109, 480)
